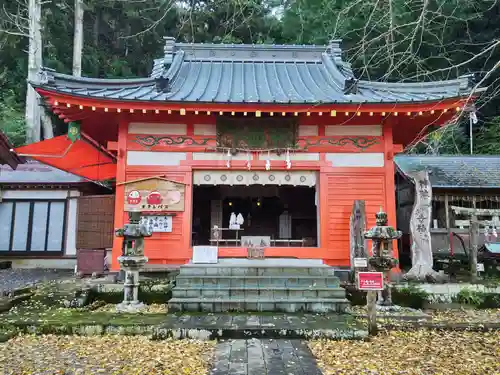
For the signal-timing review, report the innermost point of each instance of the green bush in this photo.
(410, 296)
(482, 300)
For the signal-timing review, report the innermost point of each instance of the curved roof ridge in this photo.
(461, 83)
(48, 76)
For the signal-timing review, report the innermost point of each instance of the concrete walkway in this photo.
(264, 357)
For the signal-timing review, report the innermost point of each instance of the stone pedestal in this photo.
(131, 265)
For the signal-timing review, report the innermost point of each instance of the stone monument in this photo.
(132, 260)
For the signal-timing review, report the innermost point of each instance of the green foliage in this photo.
(483, 300)
(12, 120)
(410, 296)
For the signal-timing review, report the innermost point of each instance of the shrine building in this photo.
(268, 144)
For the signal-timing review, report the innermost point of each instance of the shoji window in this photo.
(32, 226)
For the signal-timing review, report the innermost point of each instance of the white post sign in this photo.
(205, 254)
(360, 262)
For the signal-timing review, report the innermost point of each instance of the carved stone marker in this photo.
(420, 229)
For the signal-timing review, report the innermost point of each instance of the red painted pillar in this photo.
(120, 189)
(390, 186)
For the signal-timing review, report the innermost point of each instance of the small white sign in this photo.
(205, 254)
(158, 223)
(360, 262)
(480, 267)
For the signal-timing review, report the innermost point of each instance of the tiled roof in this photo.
(223, 73)
(454, 171)
(33, 172)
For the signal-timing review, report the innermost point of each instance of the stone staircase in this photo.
(280, 285)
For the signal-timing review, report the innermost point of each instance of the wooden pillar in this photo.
(474, 237)
(448, 225)
(357, 228)
(371, 302)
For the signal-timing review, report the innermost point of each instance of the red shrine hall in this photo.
(270, 144)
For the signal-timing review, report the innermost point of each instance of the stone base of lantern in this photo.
(131, 265)
(130, 307)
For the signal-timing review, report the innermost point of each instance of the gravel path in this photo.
(264, 357)
(17, 278)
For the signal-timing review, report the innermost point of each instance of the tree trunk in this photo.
(48, 129)
(34, 66)
(420, 223)
(78, 39)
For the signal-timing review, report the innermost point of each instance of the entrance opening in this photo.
(280, 216)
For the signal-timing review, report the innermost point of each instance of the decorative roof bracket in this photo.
(350, 86)
(162, 84)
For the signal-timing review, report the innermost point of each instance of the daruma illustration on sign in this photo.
(173, 197)
(134, 197)
(154, 198)
(154, 194)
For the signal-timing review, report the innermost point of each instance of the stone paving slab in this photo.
(264, 357)
(277, 326)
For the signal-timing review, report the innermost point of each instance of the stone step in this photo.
(256, 271)
(258, 281)
(219, 326)
(289, 305)
(267, 292)
(271, 326)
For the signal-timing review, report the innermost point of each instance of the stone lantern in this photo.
(132, 260)
(381, 259)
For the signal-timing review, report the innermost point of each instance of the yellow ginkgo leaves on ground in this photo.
(412, 353)
(110, 355)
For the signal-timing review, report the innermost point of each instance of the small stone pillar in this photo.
(132, 261)
(381, 259)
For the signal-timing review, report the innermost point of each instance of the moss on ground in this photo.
(73, 317)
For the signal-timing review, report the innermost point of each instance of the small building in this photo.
(271, 144)
(42, 215)
(463, 181)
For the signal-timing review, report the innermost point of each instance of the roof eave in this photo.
(53, 90)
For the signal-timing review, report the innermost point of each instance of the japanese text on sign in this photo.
(370, 281)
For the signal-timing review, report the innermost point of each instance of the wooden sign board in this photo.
(154, 194)
(370, 281)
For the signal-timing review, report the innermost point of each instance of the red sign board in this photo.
(370, 281)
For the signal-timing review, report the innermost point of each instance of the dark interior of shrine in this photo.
(286, 215)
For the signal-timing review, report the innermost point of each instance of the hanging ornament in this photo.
(268, 161)
(288, 162)
(249, 162)
(228, 161)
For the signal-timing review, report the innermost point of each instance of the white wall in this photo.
(374, 160)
